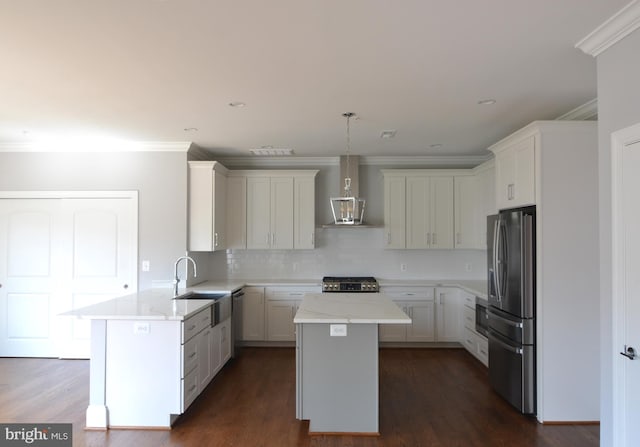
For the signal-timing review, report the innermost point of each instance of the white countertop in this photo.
(153, 304)
(359, 308)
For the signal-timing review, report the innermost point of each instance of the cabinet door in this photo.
(448, 314)
(418, 212)
(394, 211)
(219, 211)
(201, 206)
(422, 317)
(441, 198)
(280, 325)
(236, 212)
(393, 332)
(253, 314)
(282, 213)
(258, 212)
(486, 204)
(206, 353)
(225, 341)
(466, 202)
(524, 192)
(515, 175)
(304, 218)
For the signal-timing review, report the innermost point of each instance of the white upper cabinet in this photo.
(236, 211)
(207, 206)
(394, 211)
(485, 201)
(466, 213)
(280, 209)
(418, 209)
(515, 172)
(304, 212)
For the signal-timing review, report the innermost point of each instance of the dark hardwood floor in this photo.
(428, 397)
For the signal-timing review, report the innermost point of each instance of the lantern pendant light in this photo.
(347, 210)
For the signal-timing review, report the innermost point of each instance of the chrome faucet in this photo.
(176, 279)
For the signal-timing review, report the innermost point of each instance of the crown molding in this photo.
(587, 111)
(443, 161)
(616, 28)
(136, 146)
(463, 161)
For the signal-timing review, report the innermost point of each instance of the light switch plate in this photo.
(338, 330)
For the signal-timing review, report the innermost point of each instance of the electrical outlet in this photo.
(403, 267)
(467, 267)
(146, 266)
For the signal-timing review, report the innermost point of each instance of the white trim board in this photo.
(616, 28)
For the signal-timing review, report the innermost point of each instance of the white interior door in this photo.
(29, 296)
(626, 285)
(58, 254)
(103, 258)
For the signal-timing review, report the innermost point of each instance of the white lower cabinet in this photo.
(282, 303)
(253, 314)
(475, 343)
(448, 312)
(418, 303)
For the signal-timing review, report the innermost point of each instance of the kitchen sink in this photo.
(201, 296)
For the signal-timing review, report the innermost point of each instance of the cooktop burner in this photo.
(349, 284)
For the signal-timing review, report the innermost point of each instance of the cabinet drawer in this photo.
(189, 389)
(483, 349)
(469, 341)
(469, 316)
(469, 300)
(289, 293)
(189, 356)
(196, 323)
(409, 293)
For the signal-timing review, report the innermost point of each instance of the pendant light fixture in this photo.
(347, 210)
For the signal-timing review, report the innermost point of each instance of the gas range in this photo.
(357, 284)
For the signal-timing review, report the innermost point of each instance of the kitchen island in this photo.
(152, 355)
(337, 360)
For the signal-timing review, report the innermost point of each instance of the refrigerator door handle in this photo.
(496, 275)
(516, 324)
(492, 338)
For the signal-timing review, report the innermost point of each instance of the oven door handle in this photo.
(492, 338)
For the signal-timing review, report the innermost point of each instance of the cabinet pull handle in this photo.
(215, 239)
(428, 238)
(313, 238)
(191, 389)
(433, 239)
(268, 238)
(389, 238)
(193, 354)
(192, 328)
(273, 239)
(458, 238)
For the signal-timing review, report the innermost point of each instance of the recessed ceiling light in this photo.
(486, 102)
(190, 129)
(435, 146)
(270, 151)
(386, 134)
(237, 104)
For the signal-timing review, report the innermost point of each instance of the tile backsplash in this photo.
(348, 251)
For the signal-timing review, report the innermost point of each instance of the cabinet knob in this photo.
(126, 286)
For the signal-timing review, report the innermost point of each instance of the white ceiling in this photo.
(144, 70)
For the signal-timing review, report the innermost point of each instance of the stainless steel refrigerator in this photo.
(512, 336)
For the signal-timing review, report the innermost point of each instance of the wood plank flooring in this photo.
(428, 397)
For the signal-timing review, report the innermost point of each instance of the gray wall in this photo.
(618, 107)
(160, 178)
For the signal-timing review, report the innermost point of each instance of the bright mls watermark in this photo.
(35, 435)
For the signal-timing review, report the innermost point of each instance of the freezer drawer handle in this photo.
(517, 324)
(630, 353)
(504, 345)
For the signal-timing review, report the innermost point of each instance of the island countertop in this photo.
(358, 308)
